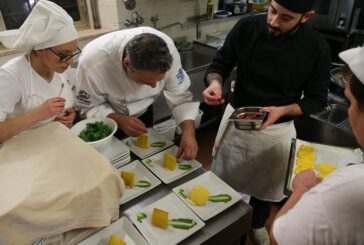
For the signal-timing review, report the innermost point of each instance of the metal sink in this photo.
(194, 59)
(336, 115)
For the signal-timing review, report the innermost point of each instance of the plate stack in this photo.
(118, 153)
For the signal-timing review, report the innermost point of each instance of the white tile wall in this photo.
(113, 14)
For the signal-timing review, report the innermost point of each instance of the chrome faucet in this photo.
(136, 20)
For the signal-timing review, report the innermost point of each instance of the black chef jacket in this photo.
(275, 71)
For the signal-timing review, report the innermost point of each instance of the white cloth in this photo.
(355, 59)
(255, 162)
(103, 86)
(330, 213)
(22, 89)
(51, 182)
(47, 25)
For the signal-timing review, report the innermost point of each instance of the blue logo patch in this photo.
(180, 76)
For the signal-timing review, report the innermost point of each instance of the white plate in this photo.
(116, 149)
(155, 164)
(141, 173)
(176, 209)
(336, 156)
(122, 228)
(120, 163)
(215, 186)
(154, 136)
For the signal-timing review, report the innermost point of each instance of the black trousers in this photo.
(261, 212)
(146, 118)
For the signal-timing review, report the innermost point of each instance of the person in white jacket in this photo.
(34, 88)
(331, 211)
(121, 74)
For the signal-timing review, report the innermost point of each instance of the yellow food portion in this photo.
(128, 178)
(307, 153)
(169, 161)
(115, 240)
(142, 141)
(160, 218)
(322, 175)
(325, 168)
(303, 163)
(300, 169)
(199, 195)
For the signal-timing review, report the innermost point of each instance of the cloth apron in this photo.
(253, 162)
(36, 97)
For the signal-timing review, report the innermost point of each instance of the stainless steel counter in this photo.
(225, 228)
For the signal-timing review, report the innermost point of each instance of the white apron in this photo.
(38, 97)
(254, 162)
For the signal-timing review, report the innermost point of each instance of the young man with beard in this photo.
(283, 66)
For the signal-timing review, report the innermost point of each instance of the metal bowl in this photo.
(248, 118)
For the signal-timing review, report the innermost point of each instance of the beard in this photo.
(276, 32)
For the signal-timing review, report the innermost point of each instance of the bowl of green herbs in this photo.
(97, 132)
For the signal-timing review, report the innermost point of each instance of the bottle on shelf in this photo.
(210, 9)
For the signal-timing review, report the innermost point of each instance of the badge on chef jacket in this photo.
(83, 97)
(180, 76)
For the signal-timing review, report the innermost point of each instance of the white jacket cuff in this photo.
(185, 111)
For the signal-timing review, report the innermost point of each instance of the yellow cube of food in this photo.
(199, 195)
(169, 161)
(115, 240)
(128, 178)
(303, 163)
(142, 141)
(160, 218)
(299, 169)
(306, 152)
(325, 168)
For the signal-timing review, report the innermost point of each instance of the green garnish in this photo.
(181, 223)
(158, 144)
(141, 216)
(143, 184)
(95, 131)
(182, 193)
(184, 166)
(220, 198)
(148, 162)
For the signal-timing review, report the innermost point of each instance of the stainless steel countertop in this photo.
(225, 228)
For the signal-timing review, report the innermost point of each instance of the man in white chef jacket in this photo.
(121, 74)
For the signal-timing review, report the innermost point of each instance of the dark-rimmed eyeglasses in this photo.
(63, 58)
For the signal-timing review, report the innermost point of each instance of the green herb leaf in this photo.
(184, 166)
(141, 216)
(182, 223)
(220, 198)
(158, 144)
(95, 131)
(143, 184)
(182, 193)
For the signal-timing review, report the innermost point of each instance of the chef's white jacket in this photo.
(103, 86)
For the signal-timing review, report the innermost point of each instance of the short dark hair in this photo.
(148, 52)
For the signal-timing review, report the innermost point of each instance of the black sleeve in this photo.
(315, 93)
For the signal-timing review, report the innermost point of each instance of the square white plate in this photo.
(122, 228)
(116, 149)
(155, 164)
(176, 209)
(141, 173)
(215, 186)
(154, 136)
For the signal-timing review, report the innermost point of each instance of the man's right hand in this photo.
(131, 126)
(213, 94)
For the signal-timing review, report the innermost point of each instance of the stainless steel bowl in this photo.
(248, 118)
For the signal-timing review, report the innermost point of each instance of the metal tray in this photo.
(248, 118)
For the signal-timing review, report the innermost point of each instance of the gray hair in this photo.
(148, 52)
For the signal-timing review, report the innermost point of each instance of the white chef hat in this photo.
(47, 25)
(354, 58)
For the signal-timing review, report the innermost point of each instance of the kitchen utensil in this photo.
(248, 118)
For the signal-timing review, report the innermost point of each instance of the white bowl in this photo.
(102, 144)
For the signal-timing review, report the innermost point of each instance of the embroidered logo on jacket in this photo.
(83, 97)
(180, 76)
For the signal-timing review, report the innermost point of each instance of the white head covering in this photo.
(48, 25)
(354, 58)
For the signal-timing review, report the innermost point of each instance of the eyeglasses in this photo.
(63, 58)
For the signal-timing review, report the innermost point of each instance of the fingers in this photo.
(179, 152)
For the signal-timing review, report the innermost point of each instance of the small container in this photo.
(248, 118)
